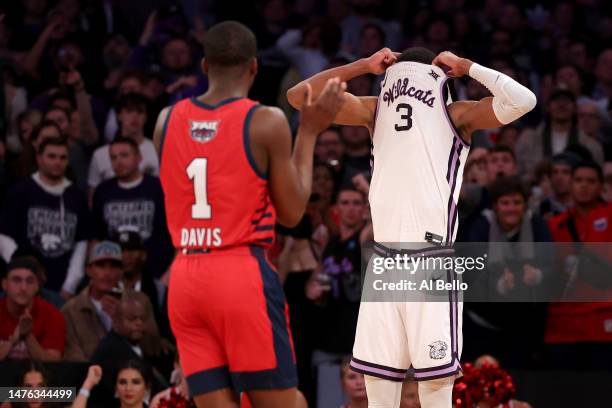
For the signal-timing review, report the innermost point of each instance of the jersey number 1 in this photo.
(196, 171)
(407, 118)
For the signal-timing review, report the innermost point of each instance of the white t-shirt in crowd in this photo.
(101, 169)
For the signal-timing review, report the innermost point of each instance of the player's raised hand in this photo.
(381, 60)
(453, 65)
(318, 115)
(94, 375)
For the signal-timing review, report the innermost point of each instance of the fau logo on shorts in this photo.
(203, 130)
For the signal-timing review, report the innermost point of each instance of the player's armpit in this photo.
(469, 116)
(270, 135)
(159, 128)
(357, 111)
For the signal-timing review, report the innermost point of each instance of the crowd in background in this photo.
(83, 242)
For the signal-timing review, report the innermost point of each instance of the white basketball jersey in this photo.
(418, 158)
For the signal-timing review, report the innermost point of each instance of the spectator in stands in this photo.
(590, 123)
(89, 314)
(337, 286)
(603, 87)
(514, 271)
(47, 215)
(356, 159)
(24, 165)
(130, 81)
(132, 115)
(125, 340)
(560, 178)
(554, 135)
(137, 277)
(508, 135)
(32, 377)
(353, 386)
(577, 333)
(29, 326)
(131, 382)
(133, 201)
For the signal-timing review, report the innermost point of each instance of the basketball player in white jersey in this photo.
(420, 144)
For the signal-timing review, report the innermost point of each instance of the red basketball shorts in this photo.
(228, 312)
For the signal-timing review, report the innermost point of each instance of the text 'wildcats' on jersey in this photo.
(418, 158)
(215, 196)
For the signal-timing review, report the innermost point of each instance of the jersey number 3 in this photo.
(406, 117)
(196, 171)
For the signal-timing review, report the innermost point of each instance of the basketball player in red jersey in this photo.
(228, 173)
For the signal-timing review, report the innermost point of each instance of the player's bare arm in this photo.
(290, 174)
(159, 128)
(510, 100)
(358, 111)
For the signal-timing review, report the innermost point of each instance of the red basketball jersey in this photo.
(215, 196)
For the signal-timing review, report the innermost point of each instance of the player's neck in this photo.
(222, 90)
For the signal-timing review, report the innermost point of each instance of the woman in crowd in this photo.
(32, 377)
(132, 386)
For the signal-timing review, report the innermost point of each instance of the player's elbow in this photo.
(289, 217)
(530, 101)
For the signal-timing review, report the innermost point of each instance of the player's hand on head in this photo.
(381, 60)
(453, 65)
(318, 115)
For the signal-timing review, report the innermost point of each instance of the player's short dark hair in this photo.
(587, 164)
(501, 148)
(132, 101)
(52, 141)
(229, 43)
(417, 54)
(504, 186)
(128, 141)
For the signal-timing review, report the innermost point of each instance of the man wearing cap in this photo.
(137, 277)
(29, 326)
(89, 314)
(558, 132)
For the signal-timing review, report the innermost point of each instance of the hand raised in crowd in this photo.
(149, 29)
(381, 60)
(531, 275)
(361, 184)
(25, 324)
(507, 280)
(453, 65)
(110, 304)
(318, 115)
(94, 375)
(73, 79)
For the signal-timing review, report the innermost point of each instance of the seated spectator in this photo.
(132, 115)
(357, 154)
(514, 272)
(558, 131)
(133, 201)
(560, 179)
(47, 215)
(137, 277)
(131, 384)
(89, 314)
(125, 340)
(508, 135)
(353, 386)
(29, 326)
(577, 333)
(33, 377)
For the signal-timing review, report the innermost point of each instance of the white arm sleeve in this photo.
(511, 100)
(76, 268)
(7, 247)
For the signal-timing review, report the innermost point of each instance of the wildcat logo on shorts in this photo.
(203, 131)
(437, 350)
